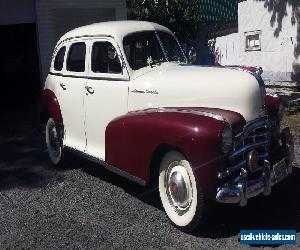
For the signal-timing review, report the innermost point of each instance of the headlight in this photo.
(227, 140)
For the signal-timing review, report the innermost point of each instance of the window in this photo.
(143, 49)
(76, 58)
(252, 40)
(59, 59)
(105, 58)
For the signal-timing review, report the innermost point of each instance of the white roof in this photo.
(116, 29)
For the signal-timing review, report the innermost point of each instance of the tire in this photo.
(54, 143)
(181, 196)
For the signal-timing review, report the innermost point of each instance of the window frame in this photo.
(124, 75)
(253, 33)
(55, 56)
(70, 44)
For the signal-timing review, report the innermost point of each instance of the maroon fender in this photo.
(49, 102)
(131, 140)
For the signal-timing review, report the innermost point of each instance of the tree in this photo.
(190, 20)
(180, 16)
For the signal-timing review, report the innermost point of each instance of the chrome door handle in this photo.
(89, 89)
(63, 86)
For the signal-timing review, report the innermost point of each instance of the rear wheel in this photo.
(54, 142)
(181, 196)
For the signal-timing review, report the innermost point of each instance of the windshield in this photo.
(148, 48)
(171, 47)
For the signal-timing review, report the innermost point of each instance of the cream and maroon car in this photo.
(122, 94)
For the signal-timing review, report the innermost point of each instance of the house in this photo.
(268, 35)
(29, 31)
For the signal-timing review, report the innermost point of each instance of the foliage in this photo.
(181, 16)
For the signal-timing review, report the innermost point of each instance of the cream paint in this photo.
(108, 101)
(173, 85)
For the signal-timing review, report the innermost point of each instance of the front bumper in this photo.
(247, 189)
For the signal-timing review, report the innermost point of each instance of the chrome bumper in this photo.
(247, 189)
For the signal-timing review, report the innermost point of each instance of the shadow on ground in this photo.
(23, 158)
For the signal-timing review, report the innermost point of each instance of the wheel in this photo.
(181, 196)
(53, 142)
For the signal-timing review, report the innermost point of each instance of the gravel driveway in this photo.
(85, 206)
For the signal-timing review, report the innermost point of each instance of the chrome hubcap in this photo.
(178, 188)
(53, 138)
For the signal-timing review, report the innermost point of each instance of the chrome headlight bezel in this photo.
(227, 139)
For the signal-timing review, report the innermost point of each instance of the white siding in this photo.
(55, 17)
(277, 49)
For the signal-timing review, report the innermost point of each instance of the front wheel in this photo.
(53, 142)
(181, 196)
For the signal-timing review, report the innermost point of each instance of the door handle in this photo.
(89, 89)
(63, 86)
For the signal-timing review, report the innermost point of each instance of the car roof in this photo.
(115, 29)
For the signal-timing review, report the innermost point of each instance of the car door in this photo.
(106, 93)
(72, 87)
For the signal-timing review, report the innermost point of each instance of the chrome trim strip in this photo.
(91, 77)
(187, 111)
(108, 167)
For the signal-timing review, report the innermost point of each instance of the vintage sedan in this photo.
(123, 95)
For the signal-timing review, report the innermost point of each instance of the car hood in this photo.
(173, 85)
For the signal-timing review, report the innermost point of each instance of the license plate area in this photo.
(280, 170)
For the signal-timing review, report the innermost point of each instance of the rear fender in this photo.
(48, 102)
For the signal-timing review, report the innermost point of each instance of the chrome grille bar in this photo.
(255, 136)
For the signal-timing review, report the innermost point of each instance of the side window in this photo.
(76, 57)
(59, 59)
(105, 58)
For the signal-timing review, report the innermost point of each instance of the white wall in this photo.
(277, 53)
(17, 11)
(55, 17)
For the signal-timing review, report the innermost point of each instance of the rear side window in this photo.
(76, 58)
(59, 59)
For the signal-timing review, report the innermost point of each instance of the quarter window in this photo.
(105, 58)
(59, 59)
(76, 58)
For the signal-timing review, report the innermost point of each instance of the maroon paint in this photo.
(49, 101)
(236, 120)
(273, 103)
(131, 141)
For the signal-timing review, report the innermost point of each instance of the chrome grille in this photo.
(254, 136)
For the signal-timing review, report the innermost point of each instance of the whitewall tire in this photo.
(181, 196)
(53, 142)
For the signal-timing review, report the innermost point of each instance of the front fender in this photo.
(131, 140)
